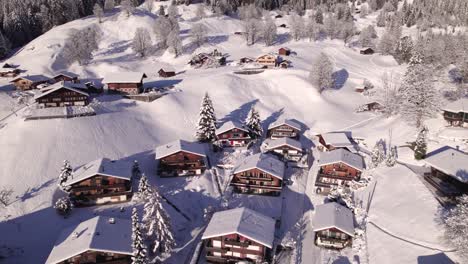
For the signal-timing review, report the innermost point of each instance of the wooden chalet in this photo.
(333, 226)
(367, 51)
(284, 51)
(101, 181)
(284, 128)
(166, 74)
(239, 235)
(284, 64)
(335, 140)
(259, 174)
(65, 76)
(448, 175)
(125, 82)
(244, 60)
(233, 134)
(338, 167)
(61, 94)
(287, 148)
(97, 240)
(9, 72)
(456, 113)
(268, 60)
(29, 82)
(208, 60)
(181, 158)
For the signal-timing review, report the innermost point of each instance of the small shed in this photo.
(278, 16)
(368, 51)
(166, 74)
(284, 51)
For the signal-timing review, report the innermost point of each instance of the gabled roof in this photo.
(457, 106)
(180, 145)
(337, 139)
(57, 86)
(342, 155)
(266, 55)
(124, 77)
(97, 234)
(264, 162)
(32, 78)
(67, 74)
(288, 122)
(229, 125)
(284, 141)
(333, 215)
(450, 161)
(243, 221)
(103, 166)
(284, 48)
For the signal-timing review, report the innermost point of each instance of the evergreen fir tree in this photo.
(63, 206)
(65, 173)
(420, 145)
(253, 122)
(391, 157)
(456, 226)
(157, 224)
(136, 168)
(138, 245)
(4, 45)
(378, 154)
(144, 189)
(206, 129)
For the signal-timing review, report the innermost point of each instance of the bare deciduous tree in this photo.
(98, 12)
(252, 28)
(269, 31)
(5, 196)
(141, 41)
(198, 34)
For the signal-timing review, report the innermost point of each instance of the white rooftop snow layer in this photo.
(98, 234)
(334, 215)
(103, 166)
(263, 162)
(67, 74)
(33, 78)
(245, 222)
(230, 125)
(342, 155)
(288, 122)
(180, 145)
(285, 141)
(337, 139)
(457, 106)
(57, 86)
(450, 161)
(124, 77)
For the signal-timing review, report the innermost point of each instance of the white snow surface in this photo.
(450, 161)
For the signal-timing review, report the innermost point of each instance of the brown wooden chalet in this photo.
(284, 51)
(237, 235)
(259, 174)
(233, 134)
(29, 82)
(102, 240)
(456, 113)
(449, 173)
(268, 60)
(368, 51)
(287, 148)
(166, 74)
(101, 181)
(9, 72)
(338, 167)
(333, 226)
(65, 76)
(62, 94)
(125, 82)
(181, 158)
(284, 128)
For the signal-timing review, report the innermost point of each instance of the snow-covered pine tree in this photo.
(136, 168)
(456, 226)
(321, 74)
(144, 188)
(4, 45)
(63, 206)
(252, 28)
(157, 224)
(319, 16)
(98, 12)
(378, 154)
(161, 11)
(206, 128)
(138, 245)
(297, 26)
(404, 49)
(269, 31)
(253, 122)
(390, 161)
(65, 173)
(174, 43)
(311, 29)
(420, 145)
(198, 34)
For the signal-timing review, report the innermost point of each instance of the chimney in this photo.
(112, 220)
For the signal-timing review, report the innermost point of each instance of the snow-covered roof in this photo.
(285, 141)
(245, 222)
(457, 106)
(103, 166)
(124, 77)
(288, 122)
(7, 70)
(180, 145)
(451, 162)
(57, 86)
(337, 139)
(100, 233)
(333, 215)
(231, 125)
(342, 155)
(32, 78)
(67, 74)
(263, 162)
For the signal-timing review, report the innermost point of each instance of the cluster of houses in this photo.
(270, 60)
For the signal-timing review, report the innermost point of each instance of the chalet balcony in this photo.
(236, 243)
(120, 186)
(453, 117)
(85, 198)
(215, 249)
(332, 242)
(255, 178)
(215, 259)
(337, 177)
(254, 186)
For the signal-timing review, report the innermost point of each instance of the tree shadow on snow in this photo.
(340, 77)
(341, 260)
(439, 258)
(240, 114)
(32, 192)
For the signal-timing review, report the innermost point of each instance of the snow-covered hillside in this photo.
(31, 152)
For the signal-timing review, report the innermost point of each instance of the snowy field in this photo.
(32, 152)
